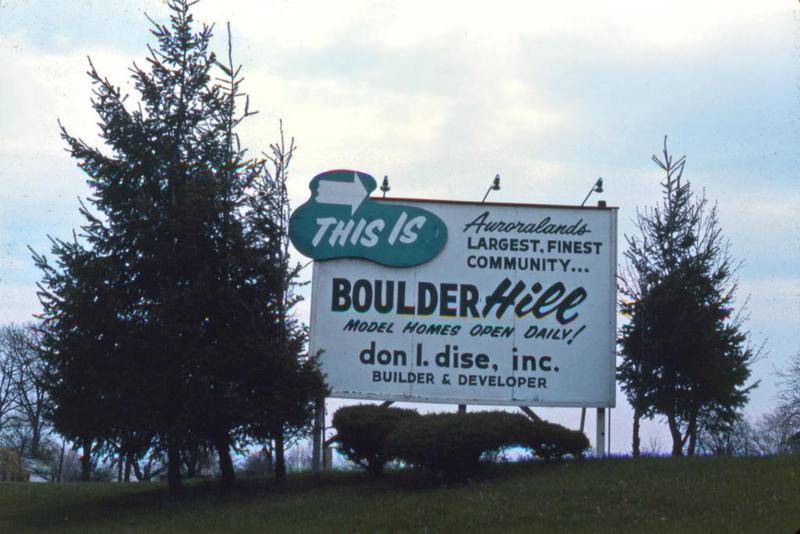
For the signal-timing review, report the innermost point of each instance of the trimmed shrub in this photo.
(551, 441)
(451, 444)
(11, 468)
(361, 433)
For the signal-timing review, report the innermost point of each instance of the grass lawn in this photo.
(613, 495)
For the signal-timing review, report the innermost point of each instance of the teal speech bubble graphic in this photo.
(341, 221)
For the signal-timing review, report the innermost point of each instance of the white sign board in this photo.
(517, 308)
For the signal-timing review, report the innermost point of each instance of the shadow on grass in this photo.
(76, 506)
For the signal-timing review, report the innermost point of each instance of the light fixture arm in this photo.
(385, 186)
(596, 188)
(494, 187)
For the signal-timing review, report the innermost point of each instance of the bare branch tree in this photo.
(6, 392)
(23, 373)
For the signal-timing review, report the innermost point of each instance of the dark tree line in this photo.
(166, 320)
(775, 432)
(23, 399)
(685, 353)
(784, 419)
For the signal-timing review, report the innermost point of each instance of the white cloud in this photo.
(43, 87)
(17, 303)
(679, 26)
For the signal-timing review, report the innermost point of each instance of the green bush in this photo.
(551, 441)
(11, 468)
(361, 433)
(451, 444)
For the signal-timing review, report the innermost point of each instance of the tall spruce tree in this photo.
(685, 355)
(87, 372)
(184, 277)
(291, 401)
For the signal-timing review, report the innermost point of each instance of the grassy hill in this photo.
(613, 495)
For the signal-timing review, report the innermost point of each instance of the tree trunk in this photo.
(61, 460)
(173, 466)
(692, 444)
(268, 457)
(86, 460)
(280, 460)
(227, 474)
(692, 430)
(675, 432)
(128, 465)
(191, 459)
(36, 440)
(636, 446)
(138, 472)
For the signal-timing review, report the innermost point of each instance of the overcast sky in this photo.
(441, 96)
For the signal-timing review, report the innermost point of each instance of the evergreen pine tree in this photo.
(181, 251)
(292, 401)
(684, 352)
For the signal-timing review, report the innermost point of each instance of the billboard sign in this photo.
(514, 305)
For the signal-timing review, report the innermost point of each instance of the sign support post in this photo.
(600, 441)
(317, 437)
